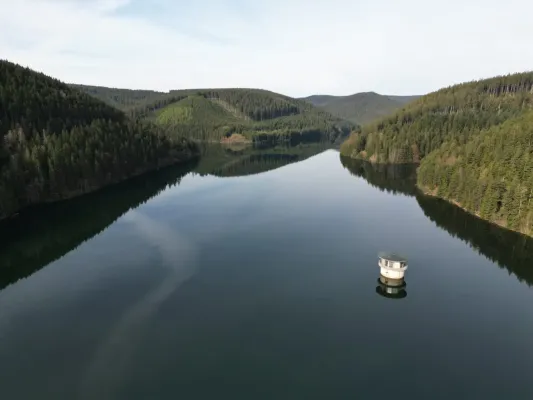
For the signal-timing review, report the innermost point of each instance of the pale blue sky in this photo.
(295, 47)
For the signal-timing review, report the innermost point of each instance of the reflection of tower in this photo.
(391, 292)
(392, 271)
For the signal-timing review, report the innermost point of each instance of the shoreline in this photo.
(429, 193)
(80, 193)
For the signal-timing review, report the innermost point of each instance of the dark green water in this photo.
(253, 275)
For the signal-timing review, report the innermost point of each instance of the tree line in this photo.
(122, 99)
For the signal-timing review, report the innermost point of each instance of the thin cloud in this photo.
(294, 47)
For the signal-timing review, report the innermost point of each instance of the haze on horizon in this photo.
(295, 47)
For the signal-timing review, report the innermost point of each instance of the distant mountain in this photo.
(246, 115)
(360, 108)
(320, 100)
(123, 99)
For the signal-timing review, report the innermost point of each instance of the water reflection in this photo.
(109, 365)
(41, 235)
(508, 249)
(44, 234)
(242, 160)
(258, 280)
(391, 292)
(392, 178)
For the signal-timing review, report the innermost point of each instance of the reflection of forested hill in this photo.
(510, 250)
(224, 161)
(44, 234)
(394, 178)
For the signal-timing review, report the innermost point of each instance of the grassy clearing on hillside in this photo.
(209, 118)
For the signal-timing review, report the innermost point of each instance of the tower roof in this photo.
(392, 256)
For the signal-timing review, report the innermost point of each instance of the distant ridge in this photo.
(360, 108)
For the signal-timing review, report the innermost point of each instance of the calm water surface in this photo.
(253, 275)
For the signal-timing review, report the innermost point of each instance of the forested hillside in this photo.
(57, 142)
(490, 175)
(360, 108)
(474, 142)
(252, 115)
(456, 112)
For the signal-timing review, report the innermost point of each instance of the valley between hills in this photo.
(472, 141)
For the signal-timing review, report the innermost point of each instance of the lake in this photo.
(252, 274)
